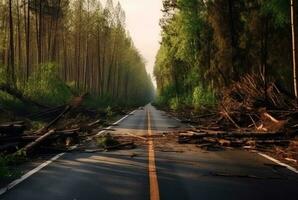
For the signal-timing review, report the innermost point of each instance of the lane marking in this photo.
(280, 163)
(116, 123)
(46, 163)
(153, 182)
(28, 174)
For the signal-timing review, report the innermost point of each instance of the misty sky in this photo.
(142, 21)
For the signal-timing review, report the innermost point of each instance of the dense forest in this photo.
(52, 49)
(209, 45)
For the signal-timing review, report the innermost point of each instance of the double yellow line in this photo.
(153, 182)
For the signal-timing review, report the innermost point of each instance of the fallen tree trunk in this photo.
(19, 95)
(235, 135)
(30, 138)
(44, 129)
(11, 129)
(33, 144)
(46, 112)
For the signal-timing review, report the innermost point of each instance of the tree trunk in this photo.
(27, 30)
(294, 45)
(233, 39)
(10, 66)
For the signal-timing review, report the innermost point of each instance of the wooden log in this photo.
(35, 143)
(273, 142)
(31, 136)
(236, 135)
(15, 122)
(223, 142)
(47, 112)
(94, 123)
(8, 139)
(12, 129)
(69, 131)
(44, 129)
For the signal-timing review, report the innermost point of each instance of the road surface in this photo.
(150, 172)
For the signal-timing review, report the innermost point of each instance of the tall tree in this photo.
(294, 44)
(11, 58)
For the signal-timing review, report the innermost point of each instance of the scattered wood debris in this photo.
(66, 125)
(251, 115)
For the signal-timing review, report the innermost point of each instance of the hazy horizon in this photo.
(142, 22)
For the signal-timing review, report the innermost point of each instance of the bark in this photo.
(27, 30)
(233, 39)
(11, 64)
(294, 44)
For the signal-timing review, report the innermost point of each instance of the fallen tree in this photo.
(36, 142)
(19, 95)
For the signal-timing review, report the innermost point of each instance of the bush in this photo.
(174, 103)
(166, 97)
(203, 97)
(10, 160)
(106, 141)
(109, 112)
(4, 172)
(95, 102)
(45, 86)
(11, 103)
(2, 74)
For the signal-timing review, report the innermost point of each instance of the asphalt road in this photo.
(189, 174)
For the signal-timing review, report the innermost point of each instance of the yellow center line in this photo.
(153, 182)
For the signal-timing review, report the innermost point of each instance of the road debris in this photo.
(66, 126)
(248, 117)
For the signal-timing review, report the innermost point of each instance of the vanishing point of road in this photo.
(154, 174)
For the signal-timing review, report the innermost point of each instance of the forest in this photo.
(55, 49)
(208, 47)
(229, 69)
(82, 118)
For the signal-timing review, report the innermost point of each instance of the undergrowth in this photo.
(198, 99)
(106, 141)
(6, 165)
(46, 87)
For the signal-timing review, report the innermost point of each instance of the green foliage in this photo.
(6, 100)
(174, 103)
(36, 125)
(109, 112)
(94, 52)
(45, 86)
(164, 96)
(3, 76)
(6, 162)
(208, 45)
(279, 10)
(15, 159)
(106, 141)
(95, 102)
(203, 97)
(10, 103)
(72, 87)
(4, 172)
